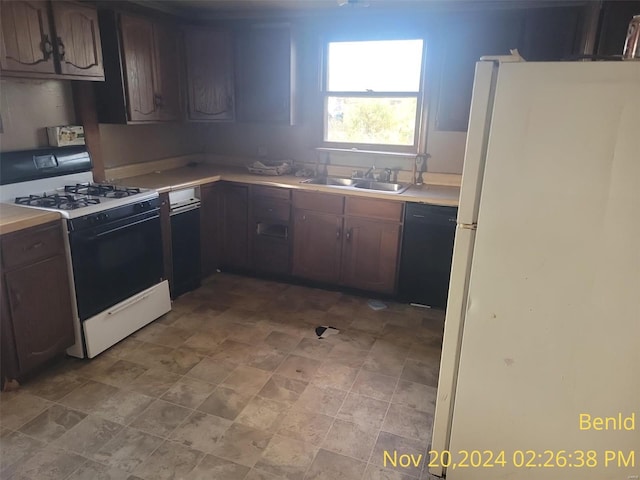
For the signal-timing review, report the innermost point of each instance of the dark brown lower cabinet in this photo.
(317, 245)
(210, 204)
(350, 241)
(234, 224)
(370, 255)
(37, 318)
(332, 239)
(271, 229)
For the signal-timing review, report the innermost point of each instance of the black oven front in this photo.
(115, 254)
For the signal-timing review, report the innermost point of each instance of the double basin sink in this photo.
(359, 183)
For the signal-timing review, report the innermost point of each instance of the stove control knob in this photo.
(143, 206)
(102, 217)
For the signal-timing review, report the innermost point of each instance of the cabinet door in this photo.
(265, 75)
(209, 55)
(42, 328)
(210, 202)
(78, 39)
(167, 61)
(235, 227)
(614, 22)
(370, 256)
(317, 243)
(139, 68)
(26, 43)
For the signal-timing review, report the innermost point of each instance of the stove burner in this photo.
(101, 190)
(62, 202)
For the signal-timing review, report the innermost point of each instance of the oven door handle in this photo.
(126, 305)
(113, 230)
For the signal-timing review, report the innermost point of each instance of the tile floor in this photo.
(234, 384)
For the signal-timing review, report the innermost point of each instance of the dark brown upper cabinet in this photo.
(266, 74)
(142, 70)
(209, 59)
(614, 22)
(50, 40)
(77, 39)
(539, 34)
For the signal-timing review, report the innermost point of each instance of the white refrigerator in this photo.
(542, 329)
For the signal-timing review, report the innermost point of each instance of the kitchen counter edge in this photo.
(193, 176)
(14, 218)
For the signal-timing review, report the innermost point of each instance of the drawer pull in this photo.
(124, 306)
(35, 246)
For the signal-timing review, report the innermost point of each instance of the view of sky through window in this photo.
(379, 66)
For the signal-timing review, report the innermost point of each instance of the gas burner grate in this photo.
(62, 202)
(101, 190)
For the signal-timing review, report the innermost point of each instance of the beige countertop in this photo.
(191, 176)
(14, 217)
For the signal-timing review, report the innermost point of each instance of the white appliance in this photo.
(113, 244)
(543, 316)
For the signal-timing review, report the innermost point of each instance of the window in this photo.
(372, 94)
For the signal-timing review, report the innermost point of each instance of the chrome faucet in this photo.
(385, 176)
(370, 173)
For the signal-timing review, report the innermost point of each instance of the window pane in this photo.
(379, 66)
(383, 121)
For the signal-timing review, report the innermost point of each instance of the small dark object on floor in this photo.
(324, 332)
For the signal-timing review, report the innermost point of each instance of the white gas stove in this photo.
(73, 196)
(114, 242)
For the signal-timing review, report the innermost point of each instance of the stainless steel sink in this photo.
(358, 183)
(382, 186)
(335, 181)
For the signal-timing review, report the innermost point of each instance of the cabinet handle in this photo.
(348, 235)
(338, 232)
(16, 298)
(304, 218)
(61, 49)
(157, 100)
(47, 47)
(35, 246)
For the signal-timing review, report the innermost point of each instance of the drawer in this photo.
(270, 192)
(373, 208)
(271, 209)
(319, 202)
(32, 245)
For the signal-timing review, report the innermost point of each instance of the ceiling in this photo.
(208, 9)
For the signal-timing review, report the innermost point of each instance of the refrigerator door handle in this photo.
(468, 226)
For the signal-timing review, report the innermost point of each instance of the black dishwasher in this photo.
(185, 241)
(427, 250)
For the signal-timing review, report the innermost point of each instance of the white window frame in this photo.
(420, 120)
